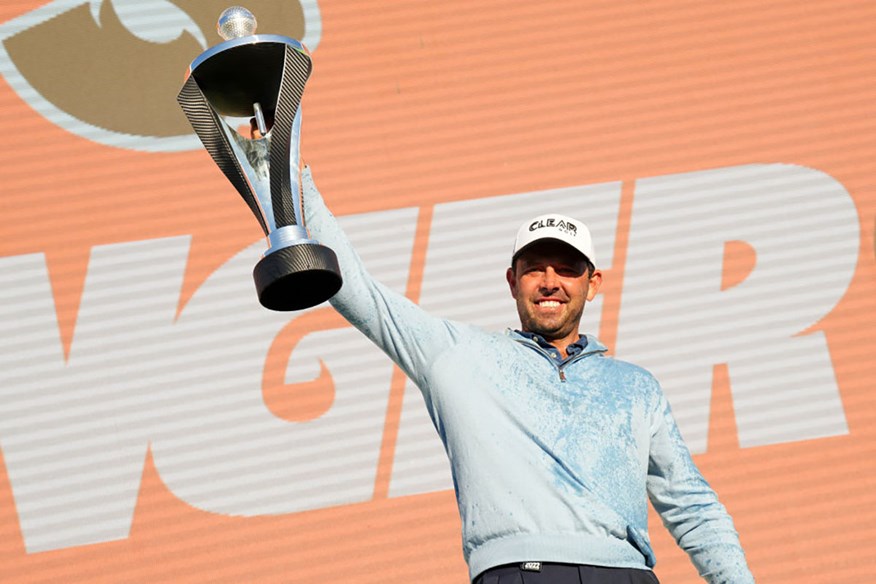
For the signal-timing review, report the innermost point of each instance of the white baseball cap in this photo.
(555, 226)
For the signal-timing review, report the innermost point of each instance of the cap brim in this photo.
(544, 240)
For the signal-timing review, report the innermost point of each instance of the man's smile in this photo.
(549, 303)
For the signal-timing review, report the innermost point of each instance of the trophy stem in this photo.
(260, 118)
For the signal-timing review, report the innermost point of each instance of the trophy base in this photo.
(297, 277)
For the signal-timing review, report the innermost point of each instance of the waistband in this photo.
(576, 549)
(533, 572)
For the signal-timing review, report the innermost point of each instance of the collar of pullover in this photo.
(572, 350)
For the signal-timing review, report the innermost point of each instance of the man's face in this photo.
(550, 284)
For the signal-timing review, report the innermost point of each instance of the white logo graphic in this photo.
(143, 47)
(75, 433)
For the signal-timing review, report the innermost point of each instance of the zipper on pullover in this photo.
(560, 372)
(561, 367)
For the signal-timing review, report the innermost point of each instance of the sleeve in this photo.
(409, 335)
(689, 507)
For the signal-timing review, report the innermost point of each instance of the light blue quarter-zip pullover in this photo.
(552, 461)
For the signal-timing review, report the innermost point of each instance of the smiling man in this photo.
(551, 277)
(555, 448)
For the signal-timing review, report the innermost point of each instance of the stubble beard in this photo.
(549, 327)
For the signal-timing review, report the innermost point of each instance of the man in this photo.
(554, 447)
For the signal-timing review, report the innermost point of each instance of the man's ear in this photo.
(595, 283)
(512, 281)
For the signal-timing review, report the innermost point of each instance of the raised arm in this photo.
(690, 508)
(409, 335)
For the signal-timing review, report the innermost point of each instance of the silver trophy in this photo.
(262, 77)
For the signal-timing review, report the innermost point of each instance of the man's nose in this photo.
(549, 280)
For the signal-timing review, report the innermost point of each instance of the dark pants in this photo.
(551, 573)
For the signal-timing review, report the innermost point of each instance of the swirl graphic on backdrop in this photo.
(109, 70)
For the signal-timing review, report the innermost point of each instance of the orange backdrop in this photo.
(417, 104)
